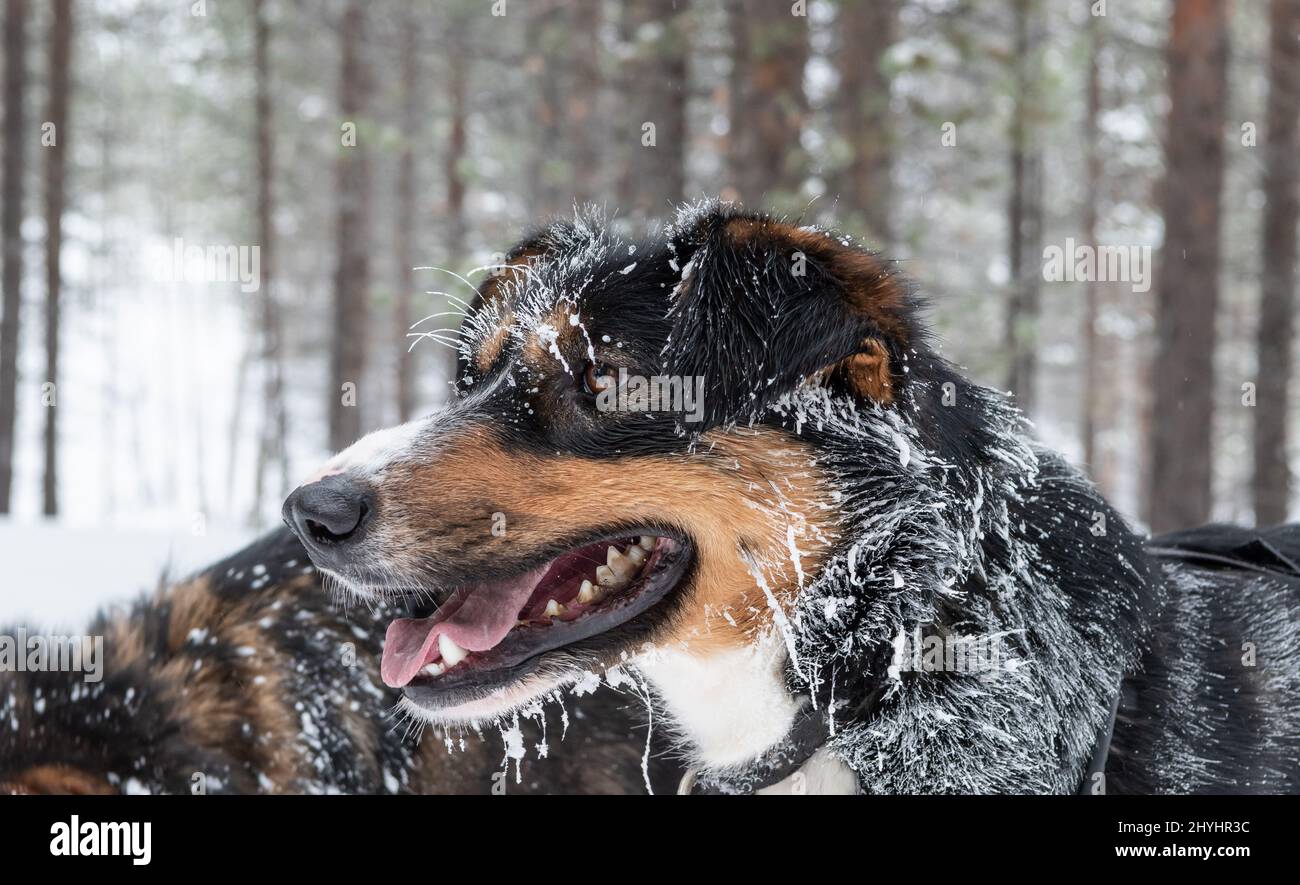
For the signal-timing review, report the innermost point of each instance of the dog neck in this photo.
(960, 532)
(729, 706)
(743, 725)
(963, 529)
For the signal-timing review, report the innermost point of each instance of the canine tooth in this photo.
(435, 669)
(619, 564)
(605, 577)
(647, 543)
(636, 556)
(587, 593)
(553, 609)
(452, 654)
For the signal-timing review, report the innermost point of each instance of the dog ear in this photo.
(507, 271)
(764, 304)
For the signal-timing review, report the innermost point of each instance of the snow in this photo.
(586, 684)
(56, 575)
(134, 787)
(512, 737)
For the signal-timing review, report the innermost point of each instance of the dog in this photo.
(249, 678)
(795, 560)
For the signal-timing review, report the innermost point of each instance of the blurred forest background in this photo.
(357, 144)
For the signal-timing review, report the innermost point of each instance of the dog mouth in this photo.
(488, 635)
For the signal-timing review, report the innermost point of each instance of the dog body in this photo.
(248, 678)
(1213, 707)
(794, 561)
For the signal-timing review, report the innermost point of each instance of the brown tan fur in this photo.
(493, 345)
(210, 711)
(868, 373)
(45, 780)
(511, 272)
(738, 492)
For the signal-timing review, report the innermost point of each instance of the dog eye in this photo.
(597, 377)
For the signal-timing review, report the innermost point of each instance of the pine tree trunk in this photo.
(1094, 391)
(768, 103)
(453, 168)
(587, 132)
(1025, 221)
(653, 176)
(866, 31)
(352, 278)
(272, 447)
(547, 40)
(1281, 186)
(60, 56)
(404, 234)
(235, 431)
(16, 137)
(453, 214)
(1187, 293)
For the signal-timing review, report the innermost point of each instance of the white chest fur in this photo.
(730, 705)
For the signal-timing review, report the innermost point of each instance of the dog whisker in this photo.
(451, 273)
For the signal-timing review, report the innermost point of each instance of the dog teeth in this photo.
(435, 669)
(620, 565)
(636, 556)
(605, 577)
(452, 654)
(588, 593)
(553, 609)
(647, 543)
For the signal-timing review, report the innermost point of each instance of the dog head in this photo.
(611, 480)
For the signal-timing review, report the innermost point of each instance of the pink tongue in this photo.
(480, 621)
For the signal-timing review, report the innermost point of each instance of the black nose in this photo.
(328, 515)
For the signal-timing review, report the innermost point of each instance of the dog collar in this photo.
(1093, 782)
(807, 735)
(802, 763)
(824, 774)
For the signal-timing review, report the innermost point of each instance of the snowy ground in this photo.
(58, 576)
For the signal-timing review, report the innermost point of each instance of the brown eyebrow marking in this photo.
(569, 339)
(490, 350)
(492, 292)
